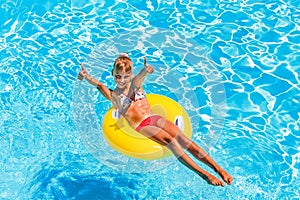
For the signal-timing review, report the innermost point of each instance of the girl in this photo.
(128, 97)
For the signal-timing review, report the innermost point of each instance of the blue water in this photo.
(233, 65)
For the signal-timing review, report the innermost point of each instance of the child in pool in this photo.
(128, 97)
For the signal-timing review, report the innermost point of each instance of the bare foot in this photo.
(225, 176)
(213, 180)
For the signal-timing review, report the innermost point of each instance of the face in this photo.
(122, 78)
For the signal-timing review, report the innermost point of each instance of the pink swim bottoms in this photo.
(152, 121)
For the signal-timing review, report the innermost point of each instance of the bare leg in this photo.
(162, 137)
(201, 155)
(194, 149)
(174, 146)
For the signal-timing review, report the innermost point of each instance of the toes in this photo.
(218, 183)
(228, 180)
(221, 184)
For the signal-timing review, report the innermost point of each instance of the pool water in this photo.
(233, 66)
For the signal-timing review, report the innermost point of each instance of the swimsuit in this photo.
(126, 101)
(138, 95)
(149, 121)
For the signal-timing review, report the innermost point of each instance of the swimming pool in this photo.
(233, 65)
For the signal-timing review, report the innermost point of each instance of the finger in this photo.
(151, 69)
(82, 67)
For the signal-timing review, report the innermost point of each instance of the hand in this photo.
(148, 68)
(83, 73)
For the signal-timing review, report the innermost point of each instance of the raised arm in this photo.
(83, 74)
(139, 78)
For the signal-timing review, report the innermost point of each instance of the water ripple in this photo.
(249, 54)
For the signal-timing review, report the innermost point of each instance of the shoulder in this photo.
(114, 93)
(136, 83)
(114, 98)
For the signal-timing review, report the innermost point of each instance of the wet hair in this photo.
(123, 62)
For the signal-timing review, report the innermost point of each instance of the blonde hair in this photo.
(123, 62)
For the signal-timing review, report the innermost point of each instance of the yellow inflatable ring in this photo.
(129, 142)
